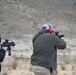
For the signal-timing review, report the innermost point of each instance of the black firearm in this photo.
(6, 43)
(57, 33)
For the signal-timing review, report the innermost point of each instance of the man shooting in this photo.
(45, 45)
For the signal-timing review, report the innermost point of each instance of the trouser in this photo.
(0, 73)
(0, 69)
(38, 70)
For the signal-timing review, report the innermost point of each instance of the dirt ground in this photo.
(68, 71)
(63, 69)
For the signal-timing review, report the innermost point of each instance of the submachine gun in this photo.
(8, 44)
(57, 33)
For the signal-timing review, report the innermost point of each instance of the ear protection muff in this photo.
(50, 30)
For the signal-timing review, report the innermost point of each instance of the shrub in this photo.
(14, 65)
(63, 66)
(5, 73)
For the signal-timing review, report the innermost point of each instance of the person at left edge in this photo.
(2, 54)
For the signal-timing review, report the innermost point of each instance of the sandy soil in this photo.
(63, 69)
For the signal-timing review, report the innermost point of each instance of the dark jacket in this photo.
(2, 54)
(45, 46)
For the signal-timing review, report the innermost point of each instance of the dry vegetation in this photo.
(63, 69)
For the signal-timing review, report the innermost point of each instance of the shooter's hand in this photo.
(62, 38)
(11, 47)
(5, 48)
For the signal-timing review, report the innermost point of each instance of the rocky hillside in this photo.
(20, 17)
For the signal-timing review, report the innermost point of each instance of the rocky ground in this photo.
(21, 19)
